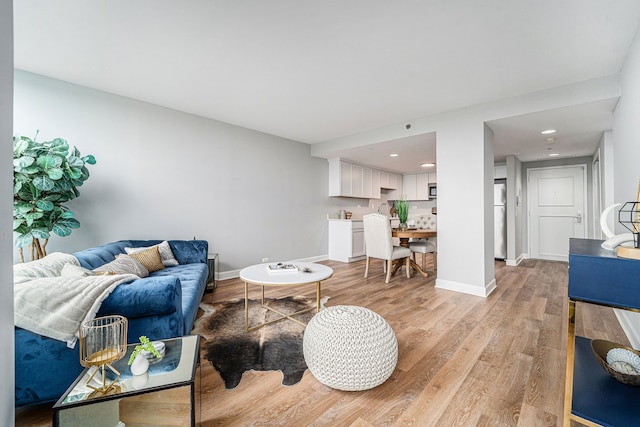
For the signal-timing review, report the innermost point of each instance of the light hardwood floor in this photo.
(463, 360)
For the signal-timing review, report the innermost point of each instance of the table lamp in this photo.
(103, 340)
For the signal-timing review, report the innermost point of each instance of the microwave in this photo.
(432, 191)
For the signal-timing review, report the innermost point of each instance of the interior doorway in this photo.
(556, 199)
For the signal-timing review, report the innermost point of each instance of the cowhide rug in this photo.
(275, 347)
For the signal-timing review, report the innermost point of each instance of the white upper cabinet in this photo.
(409, 186)
(357, 181)
(384, 179)
(375, 184)
(416, 186)
(351, 180)
(422, 186)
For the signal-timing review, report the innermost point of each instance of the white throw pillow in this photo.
(123, 264)
(72, 270)
(165, 253)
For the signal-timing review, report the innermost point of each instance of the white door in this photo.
(556, 210)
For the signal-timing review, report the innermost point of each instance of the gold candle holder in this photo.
(103, 341)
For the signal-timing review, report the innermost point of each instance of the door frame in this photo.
(585, 200)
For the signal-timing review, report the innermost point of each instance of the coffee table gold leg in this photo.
(246, 306)
(318, 293)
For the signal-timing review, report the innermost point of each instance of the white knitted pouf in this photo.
(350, 348)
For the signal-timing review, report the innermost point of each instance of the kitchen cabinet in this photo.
(409, 186)
(346, 240)
(367, 183)
(432, 178)
(375, 184)
(346, 179)
(416, 186)
(384, 179)
(500, 172)
(394, 184)
(351, 180)
(598, 276)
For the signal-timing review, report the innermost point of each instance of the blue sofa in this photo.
(162, 305)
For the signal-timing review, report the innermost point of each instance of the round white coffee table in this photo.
(259, 274)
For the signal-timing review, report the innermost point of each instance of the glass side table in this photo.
(175, 370)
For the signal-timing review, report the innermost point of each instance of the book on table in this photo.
(282, 267)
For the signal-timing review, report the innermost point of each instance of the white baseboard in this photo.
(514, 263)
(630, 323)
(232, 274)
(465, 288)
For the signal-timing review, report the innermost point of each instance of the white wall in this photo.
(626, 158)
(6, 209)
(165, 174)
(626, 132)
(462, 180)
(515, 251)
(465, 205)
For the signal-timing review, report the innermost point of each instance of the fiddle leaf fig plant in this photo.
(45, 175)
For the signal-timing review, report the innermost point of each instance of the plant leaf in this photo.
(22, 207)
(19, 146)
(55, 173)
(69, 222)
(61, 230)
(23, 162)
(75, 162)
(46, 161)
(31, 169)
(40, 233)
(23, 240)
(43, 183)
(45, 205)
(89, 159)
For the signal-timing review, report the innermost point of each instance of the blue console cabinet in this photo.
(597, 276)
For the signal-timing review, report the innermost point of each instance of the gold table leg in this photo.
(284, 315)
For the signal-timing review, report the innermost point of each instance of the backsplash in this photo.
(359, 207)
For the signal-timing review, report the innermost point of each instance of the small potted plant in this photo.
(138, 362)
(402, 205)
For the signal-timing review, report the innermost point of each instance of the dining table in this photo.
(405, 234)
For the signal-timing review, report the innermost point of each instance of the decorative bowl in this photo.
(600, 349)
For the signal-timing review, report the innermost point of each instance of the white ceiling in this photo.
(318, 70)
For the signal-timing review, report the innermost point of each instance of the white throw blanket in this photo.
(55, 306)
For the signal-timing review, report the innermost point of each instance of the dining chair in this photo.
(425, 246)
(378, 244)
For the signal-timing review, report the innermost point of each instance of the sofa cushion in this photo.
(168, 259)
(193, 278)
(143, 297)
(150, 258)
(123, 264)
(190, 251)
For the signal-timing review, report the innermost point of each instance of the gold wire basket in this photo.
(103, 341)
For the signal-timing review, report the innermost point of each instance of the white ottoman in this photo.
(350, 348)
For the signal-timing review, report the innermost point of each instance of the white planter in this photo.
(140, 365)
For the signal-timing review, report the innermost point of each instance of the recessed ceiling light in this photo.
(393, 155)
(548, 131)
(427, 165)
(554, 154)
(550, 140)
